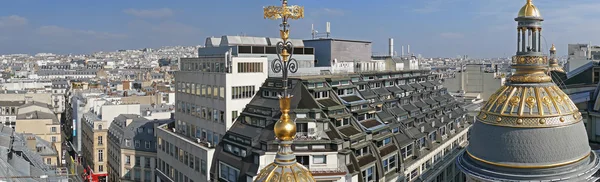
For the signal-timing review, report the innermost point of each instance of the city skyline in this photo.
(434, 28)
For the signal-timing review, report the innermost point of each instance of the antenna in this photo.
(312, 30)
(328, 29)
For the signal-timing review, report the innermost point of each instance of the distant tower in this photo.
(529, 130)
(554, 61)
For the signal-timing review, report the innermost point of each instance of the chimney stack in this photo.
(402, 50)
(391, 47)
(408, 50)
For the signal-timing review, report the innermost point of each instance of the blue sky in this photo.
(445, 28)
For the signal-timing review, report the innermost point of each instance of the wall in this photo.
(109, 112)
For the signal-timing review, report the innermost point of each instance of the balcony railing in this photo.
(308, 135)
(327, 171)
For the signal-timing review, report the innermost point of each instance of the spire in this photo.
(285, 167)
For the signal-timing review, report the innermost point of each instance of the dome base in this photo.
(583, 170)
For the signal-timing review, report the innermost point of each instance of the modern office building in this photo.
(378, 126)
(211, 92)
(132, 148)
(529, 130)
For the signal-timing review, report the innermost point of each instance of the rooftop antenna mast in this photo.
(315, 34)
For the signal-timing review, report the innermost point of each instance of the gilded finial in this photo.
(553, 48)
(529, 10)
(285, 127)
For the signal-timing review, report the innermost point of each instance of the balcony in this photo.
(309, 135)
(327, 171)
(170, 129)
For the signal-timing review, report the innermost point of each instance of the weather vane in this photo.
(285, 48)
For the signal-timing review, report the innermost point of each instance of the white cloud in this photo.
(53, 30)
(327, 12)
(13, 20)
(333, 12)
(149, 13)
(451, 35)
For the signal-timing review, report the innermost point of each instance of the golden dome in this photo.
(553, 48)
(287, 173)
(529, 10)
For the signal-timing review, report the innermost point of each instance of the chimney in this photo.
(422, 129)
(402, 50)
(408, 50)
(391, 47)
(31, 143)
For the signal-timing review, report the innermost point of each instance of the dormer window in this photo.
(421, 143)
(319, 85)
(342, 122)
(362, 151)
(406, 151)
(443, 130)
(432, 136)
(318, 95)
(362, 87)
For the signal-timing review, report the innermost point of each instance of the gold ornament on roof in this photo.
(529, 10)
(284, 168)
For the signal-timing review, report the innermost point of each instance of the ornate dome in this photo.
(529, 130)
(529, 10)
(293, 172)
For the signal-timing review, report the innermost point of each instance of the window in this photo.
(100, 155)
(203, 165)
(368, 175)
(137, 143)
(147, 176)
(342, 122)
(100, 168)
(413, 174)
(228, 173)
(53, 139)
(100, 142)
(138, 175)
(319, 95)
(147, 162)
(249, 67)
(127, 159)
(147, 144)
(234, 114)
(389, 163)
(432, 136)
(362, 151)
(53, 129)
(320, 159)
(138, 161)
(127, 142)
(49, 161)
(406, 151)
(191, 157)
(243, 92)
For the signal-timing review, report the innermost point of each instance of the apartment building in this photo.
(38, 119)
(211, 92)
(94, 146)
(362, 127)
(132, 148)
(8, 112)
